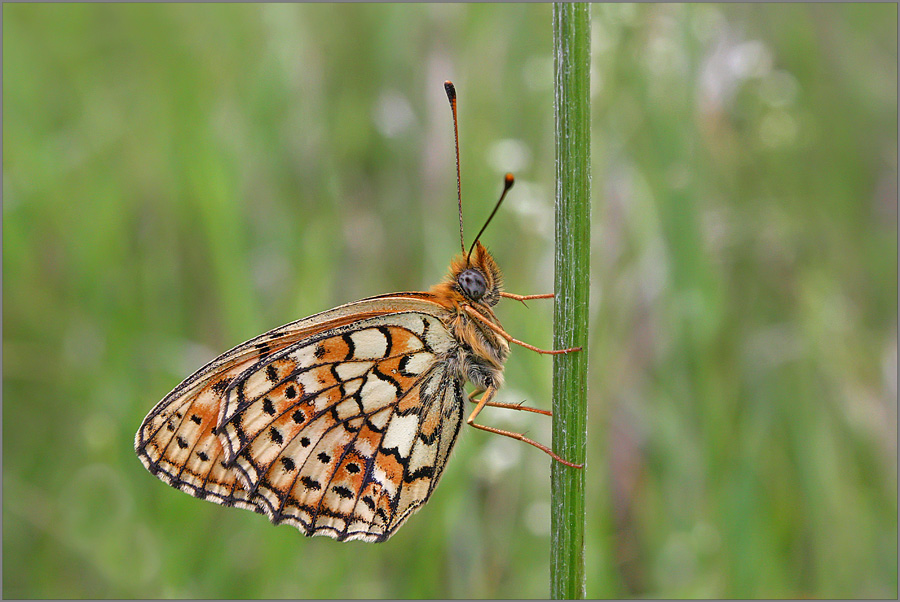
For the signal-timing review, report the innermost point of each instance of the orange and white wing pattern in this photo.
(343, 433)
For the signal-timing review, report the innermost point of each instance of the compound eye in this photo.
(473, 284)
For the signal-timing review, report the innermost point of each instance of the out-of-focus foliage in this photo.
(179, 178)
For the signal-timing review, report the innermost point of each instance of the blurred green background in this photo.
(180, 178)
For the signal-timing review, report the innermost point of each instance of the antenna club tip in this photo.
(508, 181)
(450, 89)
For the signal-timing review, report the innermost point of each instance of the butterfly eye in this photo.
(473, 284)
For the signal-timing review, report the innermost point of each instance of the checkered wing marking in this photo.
(176, 443)
(346, 433)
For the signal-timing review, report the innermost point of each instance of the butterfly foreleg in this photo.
(524, 298)
(486, 401)
(508, 406)
(477, 315)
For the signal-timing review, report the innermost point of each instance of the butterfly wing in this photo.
(172, 421)
(346, 434)
(343, 432)
(178, 431)
(177, 444)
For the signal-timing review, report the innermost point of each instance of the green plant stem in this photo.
(571, 39)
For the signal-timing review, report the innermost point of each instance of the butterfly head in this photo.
(475, 280)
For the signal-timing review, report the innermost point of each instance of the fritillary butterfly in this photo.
(341, 424)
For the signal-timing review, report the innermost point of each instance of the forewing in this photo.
(346, 433)
(178, 441)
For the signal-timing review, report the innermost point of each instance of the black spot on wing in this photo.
(423, 472)
(342, 492)
(276, 436)
(311, 483)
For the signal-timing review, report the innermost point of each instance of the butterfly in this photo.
(340, 424)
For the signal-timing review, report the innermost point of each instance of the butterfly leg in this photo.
(486, 400)
(508, 406)
(475, 314)
(524, 298)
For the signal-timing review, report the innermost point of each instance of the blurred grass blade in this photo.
(571, 38)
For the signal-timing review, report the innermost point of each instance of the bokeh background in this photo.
(179, 178)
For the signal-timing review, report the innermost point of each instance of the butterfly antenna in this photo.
(508, 181)
(451, 95)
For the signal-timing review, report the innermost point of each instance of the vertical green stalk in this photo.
(572, 43)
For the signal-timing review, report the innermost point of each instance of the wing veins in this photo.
(347, 448)
(329, 407)
(174, 436)
(432, 399)
(146, 440)
(370, 463)
(259, 366)
(447, 382)
(336, 424)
